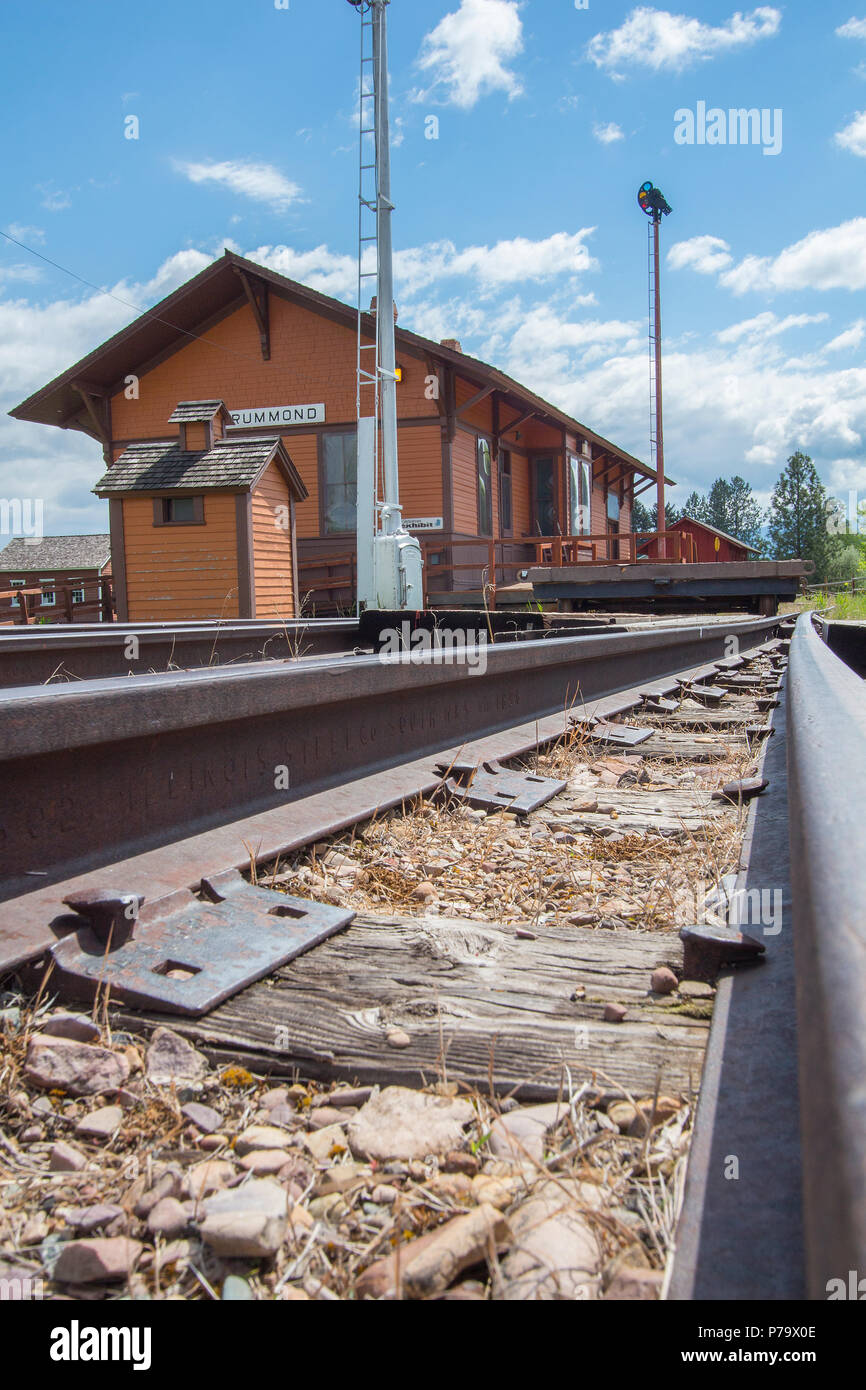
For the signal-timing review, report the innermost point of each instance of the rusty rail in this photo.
(35, 654)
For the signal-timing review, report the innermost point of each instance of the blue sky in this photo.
(516, 230)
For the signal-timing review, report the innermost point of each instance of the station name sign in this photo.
(258, 415)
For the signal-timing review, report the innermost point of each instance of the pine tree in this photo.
(745, 517)
(640, 517)
(718, 504)
(671, 515)
(798, 516)
(695, 506)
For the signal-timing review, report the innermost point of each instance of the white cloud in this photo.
(852, 29)
(853, 136)
(660, 40)
(850, 338)
(29, 273)
(705, 254)
(23, 233)
(54, 199)
(608, 134)
(831, 259)
(767, 325)
(468, 53)
(261, 182)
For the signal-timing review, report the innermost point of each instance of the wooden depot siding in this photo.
(303, 449)
(175, 572)
(272, 546)
(419, 451)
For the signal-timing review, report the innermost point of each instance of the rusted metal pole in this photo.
(660, 448)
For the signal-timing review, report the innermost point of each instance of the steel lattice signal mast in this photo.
(653, 202)
(390, 566)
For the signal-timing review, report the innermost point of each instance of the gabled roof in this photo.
(199, 413)
(231, 465)
(57, 553)
(714, 530)
(209, 296)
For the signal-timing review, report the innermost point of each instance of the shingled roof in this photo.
(50, 553)
(231, 465)
(198, 412)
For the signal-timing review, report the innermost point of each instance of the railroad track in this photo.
(338, 1003)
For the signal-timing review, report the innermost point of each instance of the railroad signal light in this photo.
(652, 201)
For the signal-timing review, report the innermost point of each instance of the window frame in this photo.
(162, 507)
(506, 490)
(584, 485)
(482, 444)
(349, 431)
(534, 462)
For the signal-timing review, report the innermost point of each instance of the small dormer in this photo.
(200, 423)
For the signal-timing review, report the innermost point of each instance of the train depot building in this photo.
(493, 479)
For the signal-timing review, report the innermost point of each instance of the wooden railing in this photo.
(671, 547)
(24, 605)
(334, 575)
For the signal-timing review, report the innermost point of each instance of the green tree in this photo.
(798, 516)
(671, 515)
(640, 517)
(744, 516)
(844, 562)
(695, 506)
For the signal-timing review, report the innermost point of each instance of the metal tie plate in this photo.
(618, 735)
(193, 956)
(491, 787)
(705, 694)
(654, 702)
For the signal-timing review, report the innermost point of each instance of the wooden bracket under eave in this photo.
(256, 292)
(98, 418)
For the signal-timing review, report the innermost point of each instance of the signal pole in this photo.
(652, 201)
(390, 564)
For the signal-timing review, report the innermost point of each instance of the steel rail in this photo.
(39, 655)
(94, 769)
(740, 1231)
(35, 655)
(827, 771)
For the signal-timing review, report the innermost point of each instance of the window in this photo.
(580, 493)
(339, 481)
(543, 500)
(505, 509)
(48, 598)
(78, 595)
(485, 488)
(178, 511)
(613, 507)
(17, 583)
